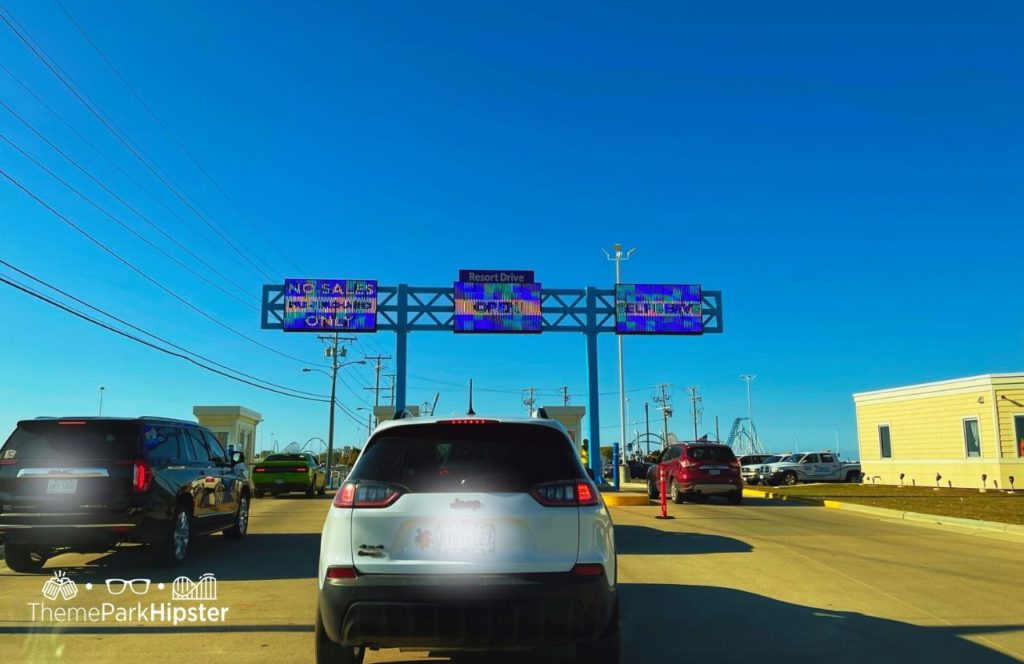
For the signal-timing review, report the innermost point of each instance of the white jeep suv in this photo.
(467, 534)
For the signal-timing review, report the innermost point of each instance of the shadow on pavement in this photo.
(651, 541)
(725, 625)
(260, 556)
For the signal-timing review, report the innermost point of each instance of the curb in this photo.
(915, 517)
(625, 499)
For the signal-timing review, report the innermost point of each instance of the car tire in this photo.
(24, 558)
(311, 489)
(790, 479)
(240, 525)
(735, 498)
(605, 650)
(652, 491)
(323, 488)
(173, 548)
(674, 493)
(851, 477)
(329, 652)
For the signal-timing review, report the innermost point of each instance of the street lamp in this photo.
(102, 389)
(618, 257)
(369, 419)
(335, 365)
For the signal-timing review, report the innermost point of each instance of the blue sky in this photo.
(849, 177)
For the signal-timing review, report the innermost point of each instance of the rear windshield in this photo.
(78, 439)
(433, 458)
(715, 453)
(287, 457)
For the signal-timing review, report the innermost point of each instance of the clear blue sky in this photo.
(849, 177)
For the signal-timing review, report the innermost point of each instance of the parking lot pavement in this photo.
(768, 581)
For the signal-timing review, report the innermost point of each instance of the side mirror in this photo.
(237, 458)
(590, 472)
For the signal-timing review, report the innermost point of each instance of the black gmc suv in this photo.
(85, 484)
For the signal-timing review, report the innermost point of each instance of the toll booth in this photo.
(382, 413)
(234, 426)
(571, 418)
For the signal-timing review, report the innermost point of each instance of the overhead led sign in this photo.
(330, 305)
(497, 301)
(658, 309)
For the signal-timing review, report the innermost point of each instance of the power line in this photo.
(124, 225)
(105, 156)
(137, 328)
(122, 138)
(174, 138)
(138, 271)
(119, 199)
(127, 335)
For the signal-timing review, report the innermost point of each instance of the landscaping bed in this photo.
(993, 505)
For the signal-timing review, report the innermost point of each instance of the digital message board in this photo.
(330, 305)
(486, 306)
(658, 309)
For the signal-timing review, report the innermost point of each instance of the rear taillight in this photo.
(142, 476)
(67, 422)
(686, 463)
(301, 469)
(259, 469)
(588, 569)
(8, 462)
(341, 572)
(565, 494)
(353, 494)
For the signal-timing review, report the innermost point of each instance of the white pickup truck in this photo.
(810, 467)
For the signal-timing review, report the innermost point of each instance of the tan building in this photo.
(232, 425)
(960, 429)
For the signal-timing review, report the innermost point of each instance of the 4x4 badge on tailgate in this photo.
(465, 504)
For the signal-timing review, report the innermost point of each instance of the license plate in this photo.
(62, 487)
(714, 472)
(279, 480)
(465, 538)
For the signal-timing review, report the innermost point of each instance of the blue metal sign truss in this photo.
(589, 311)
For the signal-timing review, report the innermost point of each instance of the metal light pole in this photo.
(102, 390)
(749, 378)
(618, 258)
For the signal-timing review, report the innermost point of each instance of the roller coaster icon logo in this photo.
(202, 590)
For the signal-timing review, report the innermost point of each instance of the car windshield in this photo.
(468, 457)
(772, 459)
(73, 439)
(792, 458)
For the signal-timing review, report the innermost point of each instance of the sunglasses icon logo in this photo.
(118, 586)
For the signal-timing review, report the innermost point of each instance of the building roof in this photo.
(983, 381)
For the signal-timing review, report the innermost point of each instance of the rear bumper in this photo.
(466, 612)
(76, 530)
(270, 486)
(706, 488)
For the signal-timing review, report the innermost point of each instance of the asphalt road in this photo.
(764, 582)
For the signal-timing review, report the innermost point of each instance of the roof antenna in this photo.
(470, 411)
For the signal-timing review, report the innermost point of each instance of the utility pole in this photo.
(333, 350)
(529, 401)
(391, 389)
(618, 258)
(102, 389)
(565, 395)
(666, 410)
(695, 398)
(647, 427)
(377, 369)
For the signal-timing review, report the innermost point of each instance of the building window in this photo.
(884, 442)
(972, 440)
(1018, 430)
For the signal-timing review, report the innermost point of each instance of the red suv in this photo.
(697, 469)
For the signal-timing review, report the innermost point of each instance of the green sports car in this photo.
(286, 473)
